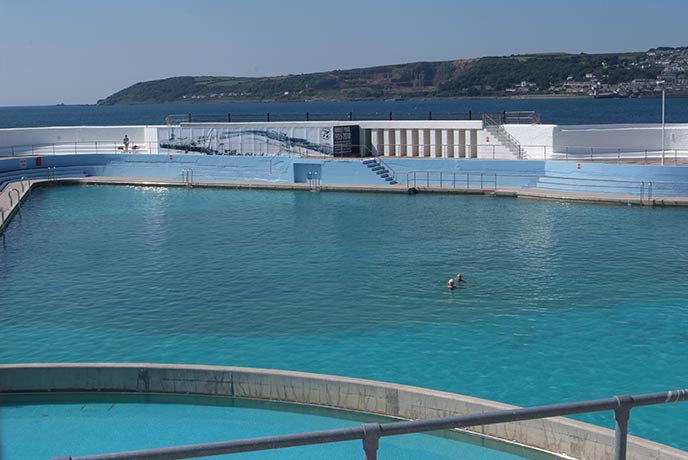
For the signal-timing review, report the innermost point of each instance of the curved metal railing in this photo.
(371, 433)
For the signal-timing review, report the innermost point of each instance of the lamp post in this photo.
(663, 91)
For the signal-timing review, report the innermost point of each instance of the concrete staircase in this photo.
(494, 124)
(501, 135)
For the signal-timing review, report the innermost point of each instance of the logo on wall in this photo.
(325, 133)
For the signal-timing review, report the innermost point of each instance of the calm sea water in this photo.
(558, 111)
(564, 302)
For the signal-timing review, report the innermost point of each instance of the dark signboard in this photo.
(346, 141)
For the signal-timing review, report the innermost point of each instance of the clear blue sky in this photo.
(78, 51)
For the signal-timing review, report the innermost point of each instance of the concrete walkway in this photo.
(529, 193)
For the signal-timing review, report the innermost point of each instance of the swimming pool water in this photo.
(87, 424)
(564, 302)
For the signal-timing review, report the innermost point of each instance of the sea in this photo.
(561, 111)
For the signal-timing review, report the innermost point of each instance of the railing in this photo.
(62, 148)
(314, 181)
(387, 167)
(483, 151)
(508, 117)
(467, 180)
(14, 189)
(618, 155)
(446, 180)
(187, 176)
(496, 127)
(164, 147)
(371, 433)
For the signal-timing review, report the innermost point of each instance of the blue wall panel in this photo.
(353, 172)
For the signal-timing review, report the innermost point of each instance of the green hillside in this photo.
(488, 76)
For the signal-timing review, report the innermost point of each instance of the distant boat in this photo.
(607, 96)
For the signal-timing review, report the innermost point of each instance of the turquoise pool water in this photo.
(564, 302)
(79, 424)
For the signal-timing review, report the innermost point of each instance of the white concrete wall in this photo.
(489, 147)
(421, 138)
(536, 140)
(63, 139)
(611, 138)
(542, 141)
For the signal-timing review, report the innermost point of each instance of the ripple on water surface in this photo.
(563, 302)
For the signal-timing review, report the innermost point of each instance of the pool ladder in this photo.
(646, 193)
(314, 181)
(188, 177)
(19, 200)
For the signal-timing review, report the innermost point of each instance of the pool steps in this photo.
(378, 168)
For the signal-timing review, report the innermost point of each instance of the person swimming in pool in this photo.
(453, 283)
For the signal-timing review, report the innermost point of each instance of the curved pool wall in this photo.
(289, 170)
(556, 435)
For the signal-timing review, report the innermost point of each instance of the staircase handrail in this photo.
(503, 135)
(512, 141)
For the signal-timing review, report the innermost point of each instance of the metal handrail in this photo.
(386, 166)
(314, 181)
(517, 117)
(89, 146)
(645, 189)
(533, 176)
(502, 134)
(511, 140)
(438, 150)
(14, 189)
(371, 433)
(187, 176)
(611, 154)
(453, 182)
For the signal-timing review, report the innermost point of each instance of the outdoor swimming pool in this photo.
(83, 424)
(564, 302)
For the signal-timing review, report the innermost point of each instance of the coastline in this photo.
(381, 100)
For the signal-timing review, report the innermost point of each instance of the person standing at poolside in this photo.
(126, 143)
